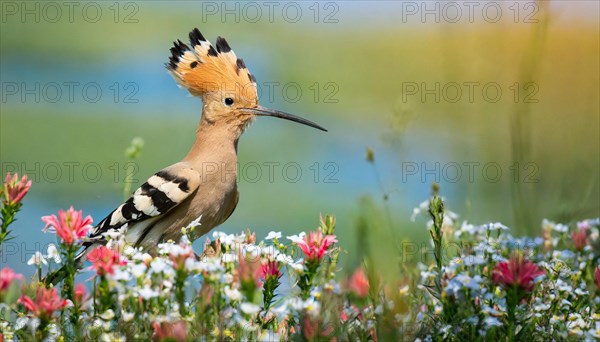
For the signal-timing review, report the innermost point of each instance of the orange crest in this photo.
(203, 69)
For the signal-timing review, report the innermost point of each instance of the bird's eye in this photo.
(228, 101)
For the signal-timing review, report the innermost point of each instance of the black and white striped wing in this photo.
(161, 193)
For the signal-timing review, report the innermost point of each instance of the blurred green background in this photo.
(80, 81)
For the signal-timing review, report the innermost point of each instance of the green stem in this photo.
(180, 290)
(9, 211)
(69, 286)
(511, 304)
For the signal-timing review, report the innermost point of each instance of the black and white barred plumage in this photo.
(161, 193)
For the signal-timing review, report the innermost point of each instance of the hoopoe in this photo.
(202, 186)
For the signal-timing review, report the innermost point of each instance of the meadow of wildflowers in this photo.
(496, 286)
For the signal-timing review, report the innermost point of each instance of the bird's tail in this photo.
(59, 275)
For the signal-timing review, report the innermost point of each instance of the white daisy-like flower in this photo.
(312, 307)
(273, 235)
(37, 259)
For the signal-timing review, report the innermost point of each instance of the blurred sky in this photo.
(77, 88)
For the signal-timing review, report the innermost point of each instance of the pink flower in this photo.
(7, 276)
(15, 190)
(359, 284)
(597, 276)
(46, 302)
(166, 331)
(69, 226)
(80, 293)
(315, 245)
(248, 271)
(270, 269)
(104, 260)
(579, 238)
(517, 272)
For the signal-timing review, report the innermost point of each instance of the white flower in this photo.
(404, 290)
(470, 260)
(147, 293)
(121, 274)
(284, 258)
(423, 206)
(158, 265)
(21, 323)
(37, 259)
(107, 315)
(249, 308)
(496, 226)
(128, 316)
(561, 228)
(112, 234)
(192, 265)
(52, 253)
(273, 235)
(138, 270)
(232, 294)
(194, 223)
(229, 257)
(312, 307)
(225, 239)
(226, 278)
(297, 266)
(210, 265)
(297, 238)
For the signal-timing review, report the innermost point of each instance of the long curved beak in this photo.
(262, 111)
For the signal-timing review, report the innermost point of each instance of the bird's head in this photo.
(227, 88)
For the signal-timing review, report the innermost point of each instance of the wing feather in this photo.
(159, 194)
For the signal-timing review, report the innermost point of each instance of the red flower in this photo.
(579, 238)
(315, 245)
(69, 226)
(104, 260)
(166, 331)
(46, 302)
(270, 269)
(517, 272)
(597, 276)
(7, 276)
(15, 190)
(359, 284)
